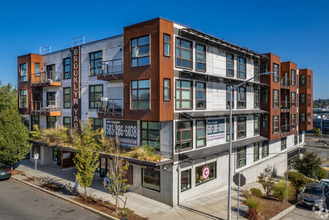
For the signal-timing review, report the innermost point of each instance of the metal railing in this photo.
(45, 106)
(285, 129)
(112, 106)
(45, 77)
(285, 81)
(285, 105)
(111, 67)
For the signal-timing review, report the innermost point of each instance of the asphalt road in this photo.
(21, 202)
(304, 213)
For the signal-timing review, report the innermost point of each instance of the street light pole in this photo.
(321, 126)
(230, 145)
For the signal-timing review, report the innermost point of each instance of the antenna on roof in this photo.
(45, 50)
(78, 41)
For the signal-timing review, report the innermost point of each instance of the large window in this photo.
(67, 68)
(67, 97)
(276, 72)
(228, 129)
(151, 134)
(241, 127)
(67, 122)
(293, 77)
(51, 122)
(23, 99)
(293, 99)
(37, 68)
(309, 100)
(241, 97)
(302, 79)
(242, 157)
(275, 98)
(264, 122)
(151, 178)
(256, 122)
(256, 98)
(302, 117)
(308, 81)
(228, 93)
(205, 173)
(275, 124)
(95, 95)
(201, 133)
(200, 95)
(183, 94)
(264, 95)
(256, 71)
(140, 51)
(256, 151)
(166, 45)
(166, 90)
(265, 151)
(309, 118)
(283, 143)
(23, 72)
(302, 98)
(35, 121)
(241, 68)
(183, 53)
(95, 60)
(183, 135)
(200, 58)
(185, 180)
(140, 94)
(229, 65)
(96, 123)
(293, 121)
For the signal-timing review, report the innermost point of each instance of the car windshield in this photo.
(325, 183)
(3, 167)
(313, 191)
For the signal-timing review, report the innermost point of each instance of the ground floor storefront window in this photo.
(151, 178)
(185, 180)
(205, 173)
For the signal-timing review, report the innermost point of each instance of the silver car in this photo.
(314, 195)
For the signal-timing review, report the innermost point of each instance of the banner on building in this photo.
(215, 130)
(126, 131)
(75, 86)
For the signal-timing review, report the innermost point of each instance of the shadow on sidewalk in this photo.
(203, 214)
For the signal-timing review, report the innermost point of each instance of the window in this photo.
(166, 45)
(302, 79)
(183, 53)
(256, 98)
(205, 173)
(67, 122)
(293, 99)
(201, 133)
(229, 65)
(140, 51)
(276, 72)
(295, 139)
(308, 81)
(51, 122)
(241, 127)
(200, 58)
(228, 129)
(264, 95)
(166, 89)
(309, 100)
(264, 67)
(23, 72)
(96, 123)
(265, 151)
(151, 178)
(241, 97)
(183, 135)
(185, 180)
(256, 125)
(264, 122)
(293, 77)
(241, 155)
(200, 95)
(67, 97)
(283, 143)
(95, 95)
(151, 134)
(35, 121)
(183, 94)
(241, 68)
(256, 71)
(302, 98)
(23, 99)
(309, 118)
(275, 98)
(302, 117)
(275, 124)
(228, 89)
(67, 68)
(293, 121)
(95, 63)
(37, 69)
(140, 94)
(256, 151)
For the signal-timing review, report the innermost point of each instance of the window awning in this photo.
(200, 114)
(218, 149)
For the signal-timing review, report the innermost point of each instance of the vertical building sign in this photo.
(75, 86)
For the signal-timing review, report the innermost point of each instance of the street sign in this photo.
(36, 156)
(242, 179)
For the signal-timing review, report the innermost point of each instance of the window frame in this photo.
(227, 100)
(93, 126)
(256, 146)
(276, 77)
(302, 98)
(228, 128)
(231, 69)
(51, 121)
(293, 121)
(264, 95)
(205, 133)
(265, 143)
(239, 93)
(65, 124)
(256, 67)
(256, 131)
(180, 91)
(33, 121)
(308, 118)
(181, 140)
(308, 100)
(264, 120)
(166, 43)
(196, 57)
(308, 81)
(137, 47)
(214, 166)
(239, 72)
(275, 127)
(302, 80)
(256, 94)
(140, 100)
(142, 179)
(95, 101)
(181, 58)
(147, 129)
(20, 99)
(35, 68)
(64, 102)
(293, 77)
(283, 144)
(189, 176)
(64, 65)
(293, 99)
(241, 151)
(205, 95)
(302, 116)
(21, 70)
(95, 60)
(275, 103)
(240, 122)
(168, 88)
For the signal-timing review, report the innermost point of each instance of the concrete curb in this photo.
(68, 200)
(284, 212)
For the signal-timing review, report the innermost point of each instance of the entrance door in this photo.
(51, 98)
(50, 73)
(37, 104)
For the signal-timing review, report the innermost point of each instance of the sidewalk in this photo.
(212, 206)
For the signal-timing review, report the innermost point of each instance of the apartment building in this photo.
(168, 86)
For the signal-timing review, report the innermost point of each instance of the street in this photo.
(305, 213)
(21, 202)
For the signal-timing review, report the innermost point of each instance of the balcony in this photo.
(111, 70)
(49, 78)
(112, 108)
(285, 106)
(285, 82)
(285, 130)
(47, 108)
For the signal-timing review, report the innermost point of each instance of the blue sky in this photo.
(297, 31)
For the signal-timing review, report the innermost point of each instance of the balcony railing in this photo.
(285, 81)
(112, 106)
(44, 107)
(111, 68)
(44, 78)
(285, 129)
(285, 105)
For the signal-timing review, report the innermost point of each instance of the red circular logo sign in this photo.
(205, 171)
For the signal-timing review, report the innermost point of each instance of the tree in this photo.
(86, 160)
(267, 180)
(14, 137)
(8, 97)
(310, 165)
(298, 180)
(316, 131)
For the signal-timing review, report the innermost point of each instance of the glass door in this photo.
(50, 73)
(51, 98)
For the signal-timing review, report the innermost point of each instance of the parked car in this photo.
(325, 182)
(314, 195)
(5, 171)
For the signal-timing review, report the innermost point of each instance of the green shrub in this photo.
(322, 174)
(256, 192)
(280, 191)
(253, 203)
(310, 180)
(251, 214)
(298, 180)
